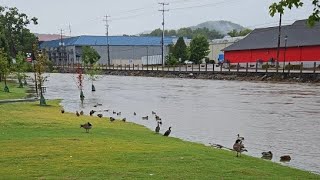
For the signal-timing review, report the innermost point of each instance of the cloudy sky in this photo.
(135, 16)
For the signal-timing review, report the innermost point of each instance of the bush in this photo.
(171, 60)
(265, 66)
(293, 66)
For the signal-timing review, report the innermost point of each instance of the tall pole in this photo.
(107, 34)
(279, 37)
(162, 39)
(61, 48)
(285, 49)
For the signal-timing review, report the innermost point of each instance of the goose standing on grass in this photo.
(81, 113)
(112, 119)
(62, 111)
(92, 112)
(100, 115)
(86, 126)
(124, 119)
(158, 128)
(167, 133)
(77, 113)
(239, 147)
(240, 138)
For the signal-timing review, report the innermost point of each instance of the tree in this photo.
(199, 49)
(14, 35)
(180, 50)
(171, 60)
(235, 33)
(4, 68)
(279, 8)
(40, 66)
(20, 68)
(90, 57)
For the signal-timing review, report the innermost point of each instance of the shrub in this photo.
(293, 66)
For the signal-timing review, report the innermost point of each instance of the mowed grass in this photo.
(41, 143)
(15, 92)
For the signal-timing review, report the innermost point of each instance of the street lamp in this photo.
(284, 54)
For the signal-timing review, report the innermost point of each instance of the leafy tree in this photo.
(279, 8)
(233, 33)
(199, 49)
(14, 35)
(171, 60)
(90, 57)
(180, 50)
(4, 68)
(41, 60)
(20, 67)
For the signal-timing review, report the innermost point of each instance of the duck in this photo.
(92, 112)
(157, 130)
(124, 119)
(285, 158)
(238, 147)
(81, 113)
(167, 133)
(100, 115)
(267, 155)
(62, 111)
(87, 126)
(145, 118)
(77, 113)
(112, 119)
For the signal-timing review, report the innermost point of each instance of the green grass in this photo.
(41, 143)
(15, 92)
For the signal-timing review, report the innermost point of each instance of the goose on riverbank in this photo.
(62, 111)
(77, 113)
(145, 118)
(285, 158)
(167, 133)
(238, 147)
(86, 126)
(100, 115)
(267, 155)
(158, 128)
(81, 113)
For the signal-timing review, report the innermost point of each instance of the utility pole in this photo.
(279, 37)
(61, 44)
(162, 39)
(69, 30)
(107, 34)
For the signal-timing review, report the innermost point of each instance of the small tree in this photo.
(199, 49)
(93, 72)
(180, 50)
(90, 57)
(171, 60)
(4, 68)
(20, 68)
(40, 66)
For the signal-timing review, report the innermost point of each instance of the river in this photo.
(279, 117)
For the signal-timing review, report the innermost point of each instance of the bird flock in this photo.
(87, 126)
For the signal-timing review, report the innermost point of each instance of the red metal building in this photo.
(299, 43)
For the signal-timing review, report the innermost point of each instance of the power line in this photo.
(163, 10)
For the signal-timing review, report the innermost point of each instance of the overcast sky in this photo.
(135, 16)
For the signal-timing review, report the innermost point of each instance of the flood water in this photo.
(282, 118)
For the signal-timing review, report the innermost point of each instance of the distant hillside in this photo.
(48, 37)
(221, 26)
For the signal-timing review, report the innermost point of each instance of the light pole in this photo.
(284, 54)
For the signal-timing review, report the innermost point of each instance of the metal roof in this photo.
(113, 41)
(298, 34)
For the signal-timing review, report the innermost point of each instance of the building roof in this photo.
(227, 39)
(298, 34)
(113, 41)
(48, 37)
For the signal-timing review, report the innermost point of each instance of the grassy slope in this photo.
(40, 142)
(15, 92)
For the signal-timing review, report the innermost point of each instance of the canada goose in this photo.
(285, 158)
(145, 118)
(119, 114)
(95, 106)
(158, 128)
(240, 138)
(113, 112)
(267, 155)
(81, 113)
(167, 133)
(100, 115)
(112, 119)
(62, 111)
(154, 112)
(134, 113)
(77, 113)
(157, 117)
(124, 119)
(92, 112)
(86, 126)
(107, 110)
(238, 147)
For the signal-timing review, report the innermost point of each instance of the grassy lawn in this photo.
(15, 92)
(41, 143)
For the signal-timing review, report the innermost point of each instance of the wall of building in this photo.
(215, 50)
(292, 54)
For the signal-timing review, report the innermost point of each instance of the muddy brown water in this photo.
(278, 117)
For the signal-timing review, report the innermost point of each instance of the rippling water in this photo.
(282, 118)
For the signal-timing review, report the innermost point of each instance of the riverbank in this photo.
(40, 142)
(240, 76)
